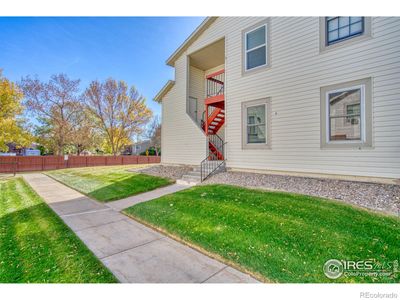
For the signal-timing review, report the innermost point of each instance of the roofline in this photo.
(195, 34)
(165, 89)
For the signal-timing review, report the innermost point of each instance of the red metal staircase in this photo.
(215, 120)
(212, 121)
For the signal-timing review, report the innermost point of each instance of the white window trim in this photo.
(366, 115)
(362, 115)
(255, 48)
(265, 123)
(267, 106)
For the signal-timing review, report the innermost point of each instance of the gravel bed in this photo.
(172, 172)
(380, 197)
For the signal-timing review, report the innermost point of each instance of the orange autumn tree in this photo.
(120, 111)
(11, 124)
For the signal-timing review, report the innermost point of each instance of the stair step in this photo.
(191, 178)
(194, 173)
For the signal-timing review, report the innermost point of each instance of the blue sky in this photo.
(133, 49)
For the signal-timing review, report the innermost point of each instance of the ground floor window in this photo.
(345, 119)
(256, 128)
(346, 114)
(255, 123)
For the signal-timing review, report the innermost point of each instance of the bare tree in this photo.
(154, 134)
(54, 103)
(120, 111)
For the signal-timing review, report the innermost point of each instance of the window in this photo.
(339, 31)
(255, 125)
(255, 46)
(346, 114)
(256, 129)
(340, 28)
(344, 117)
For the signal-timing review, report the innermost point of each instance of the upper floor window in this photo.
(341, 28)
(338, 32)
(255, 46)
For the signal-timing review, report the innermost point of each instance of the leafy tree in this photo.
(43, 136)
(120, 111)
(55, 104)
(11, 128)
(154, 134)
(84, 135)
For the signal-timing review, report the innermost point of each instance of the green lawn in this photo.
(108, 183)
(282, 237)
(36, 246)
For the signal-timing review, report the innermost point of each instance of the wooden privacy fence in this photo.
(12, 164)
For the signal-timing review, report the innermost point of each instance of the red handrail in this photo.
(215, 74)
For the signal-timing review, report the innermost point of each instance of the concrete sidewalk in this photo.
(130, 201)
(133, 252)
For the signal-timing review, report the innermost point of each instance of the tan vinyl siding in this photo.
(182, 141)
(213, 70)
(196, 88)
(298, 71)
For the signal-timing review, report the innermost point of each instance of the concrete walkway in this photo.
(128, 202)
(133, 252)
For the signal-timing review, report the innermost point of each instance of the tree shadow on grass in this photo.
(130, 186)
(36, 246)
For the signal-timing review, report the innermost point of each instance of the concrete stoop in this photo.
(194, 177)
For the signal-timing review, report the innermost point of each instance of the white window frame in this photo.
(266, 102)
(265, 123)
(362, 115)
(366, 115)
(266, 45)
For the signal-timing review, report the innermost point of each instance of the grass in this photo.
(279, 236)
(108, 183)
(36, 246)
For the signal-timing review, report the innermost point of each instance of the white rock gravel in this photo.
(172, 172)
(376, 196)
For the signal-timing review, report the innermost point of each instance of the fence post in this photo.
(42, 163)
(86, 158)
(122, 160)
